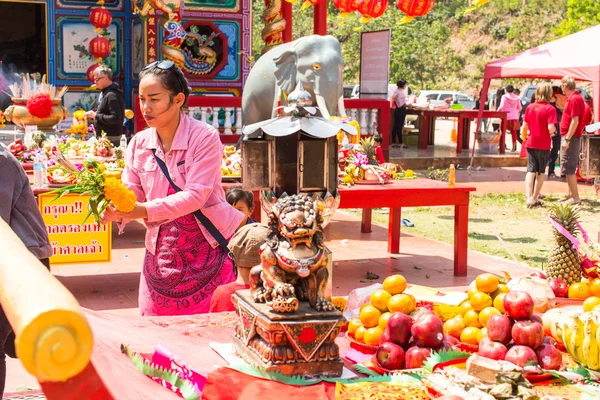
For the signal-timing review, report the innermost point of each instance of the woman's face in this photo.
(157, 105)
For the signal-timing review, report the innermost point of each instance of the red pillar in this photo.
(286, 10)
(320, 18)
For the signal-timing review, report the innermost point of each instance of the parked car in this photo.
(438, 98)
(353, 91)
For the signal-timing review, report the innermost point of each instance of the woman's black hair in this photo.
(172, 79)
(510, 88)
(378, 139)
(401, 83)
(235, 194)
(499, 94)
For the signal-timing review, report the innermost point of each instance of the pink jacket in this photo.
(511, 103)
(194, 163)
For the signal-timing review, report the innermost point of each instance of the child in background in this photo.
(245, 250)
(242, 201)
(378, 150)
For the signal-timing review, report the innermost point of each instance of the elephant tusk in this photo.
(342, 107)
(322, 106)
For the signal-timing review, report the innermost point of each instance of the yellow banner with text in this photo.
(74, 242)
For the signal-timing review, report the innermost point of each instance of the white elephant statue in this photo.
(315, 60)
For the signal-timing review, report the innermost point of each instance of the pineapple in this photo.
(564, 260)
(368, 145)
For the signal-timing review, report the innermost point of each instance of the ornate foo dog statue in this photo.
(294, 258)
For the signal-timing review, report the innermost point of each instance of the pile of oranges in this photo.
(382, 304)
(485, 298)
(584, 290)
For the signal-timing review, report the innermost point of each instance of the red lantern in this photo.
(371, 9)
(345, 6)
(414, 8)
(100, 17)
(90, 72)
(99, 47)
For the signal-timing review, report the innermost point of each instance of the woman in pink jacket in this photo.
(511, 103)
(183, 263)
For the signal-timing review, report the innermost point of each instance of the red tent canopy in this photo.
(573, 55)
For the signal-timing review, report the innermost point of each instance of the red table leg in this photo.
(365, 225)
(394, 230)
(467, 133)
(459, 135)
(424, 132)
(461, 237)
(502, 136)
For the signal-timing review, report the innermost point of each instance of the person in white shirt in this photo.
(399, 99)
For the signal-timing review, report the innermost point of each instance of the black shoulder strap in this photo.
(198, 214)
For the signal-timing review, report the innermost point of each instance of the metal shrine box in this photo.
(590, 156)
(290, 164)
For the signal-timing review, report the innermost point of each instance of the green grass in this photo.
(526, 232)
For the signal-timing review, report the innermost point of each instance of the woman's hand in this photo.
(112, 214)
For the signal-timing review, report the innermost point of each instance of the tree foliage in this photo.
(448, 48)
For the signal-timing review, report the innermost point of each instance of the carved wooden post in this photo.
(227, 124)
(272, 33)
(238, 120)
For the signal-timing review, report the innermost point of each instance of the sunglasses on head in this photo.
(165, 65)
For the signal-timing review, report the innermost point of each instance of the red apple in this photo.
(538, 274)
(415, 357)
(484, 340)
(427, 331)
(528, 333)
(549, 340)
(499, 328)
(493, 350)
(390, 356)
(559, 286)
(518, 305)
(385, 337)
(399, 326)
(548, 356)
(420, 312)
(521, 356)
(451, 339)
(537, 318)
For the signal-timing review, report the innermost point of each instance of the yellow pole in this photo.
(53, 339)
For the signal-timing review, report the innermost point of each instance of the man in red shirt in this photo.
(571, 129)
(245, 249)
(540, 119)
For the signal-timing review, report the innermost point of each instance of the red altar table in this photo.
(413, 193)
(463, 131)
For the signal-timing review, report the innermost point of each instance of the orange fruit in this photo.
(487, 283)
(353, 325)
(359, 335)
(465, 306)
(383, 320)
(369, 316)
(454, 326)
(579, 291)
(472, 291)
(469, 335)
(486, 313)
(404, 303)
(471, 318)
(499, 302)
(595, 287)
(379, 299)
(372, 336)
(590, 303)
(480, 300)
(502, 288)
(482, 333)
(363, 306)
(597, 308)
(394, 284)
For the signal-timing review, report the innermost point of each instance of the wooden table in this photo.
(463, 131)
(418, 192)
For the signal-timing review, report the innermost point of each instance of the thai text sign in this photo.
(374, 63)
(72, 241)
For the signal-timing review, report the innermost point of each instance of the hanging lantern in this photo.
(100, 17)
(371, 9)
(99, 47)
(414, 8)
(90, 72)
(346, 7)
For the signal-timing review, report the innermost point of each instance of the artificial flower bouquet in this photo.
(102, 189)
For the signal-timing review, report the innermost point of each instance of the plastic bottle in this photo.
(40, 170)
(452, 176)
(123, 143)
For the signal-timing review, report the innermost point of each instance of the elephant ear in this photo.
(285, 70)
